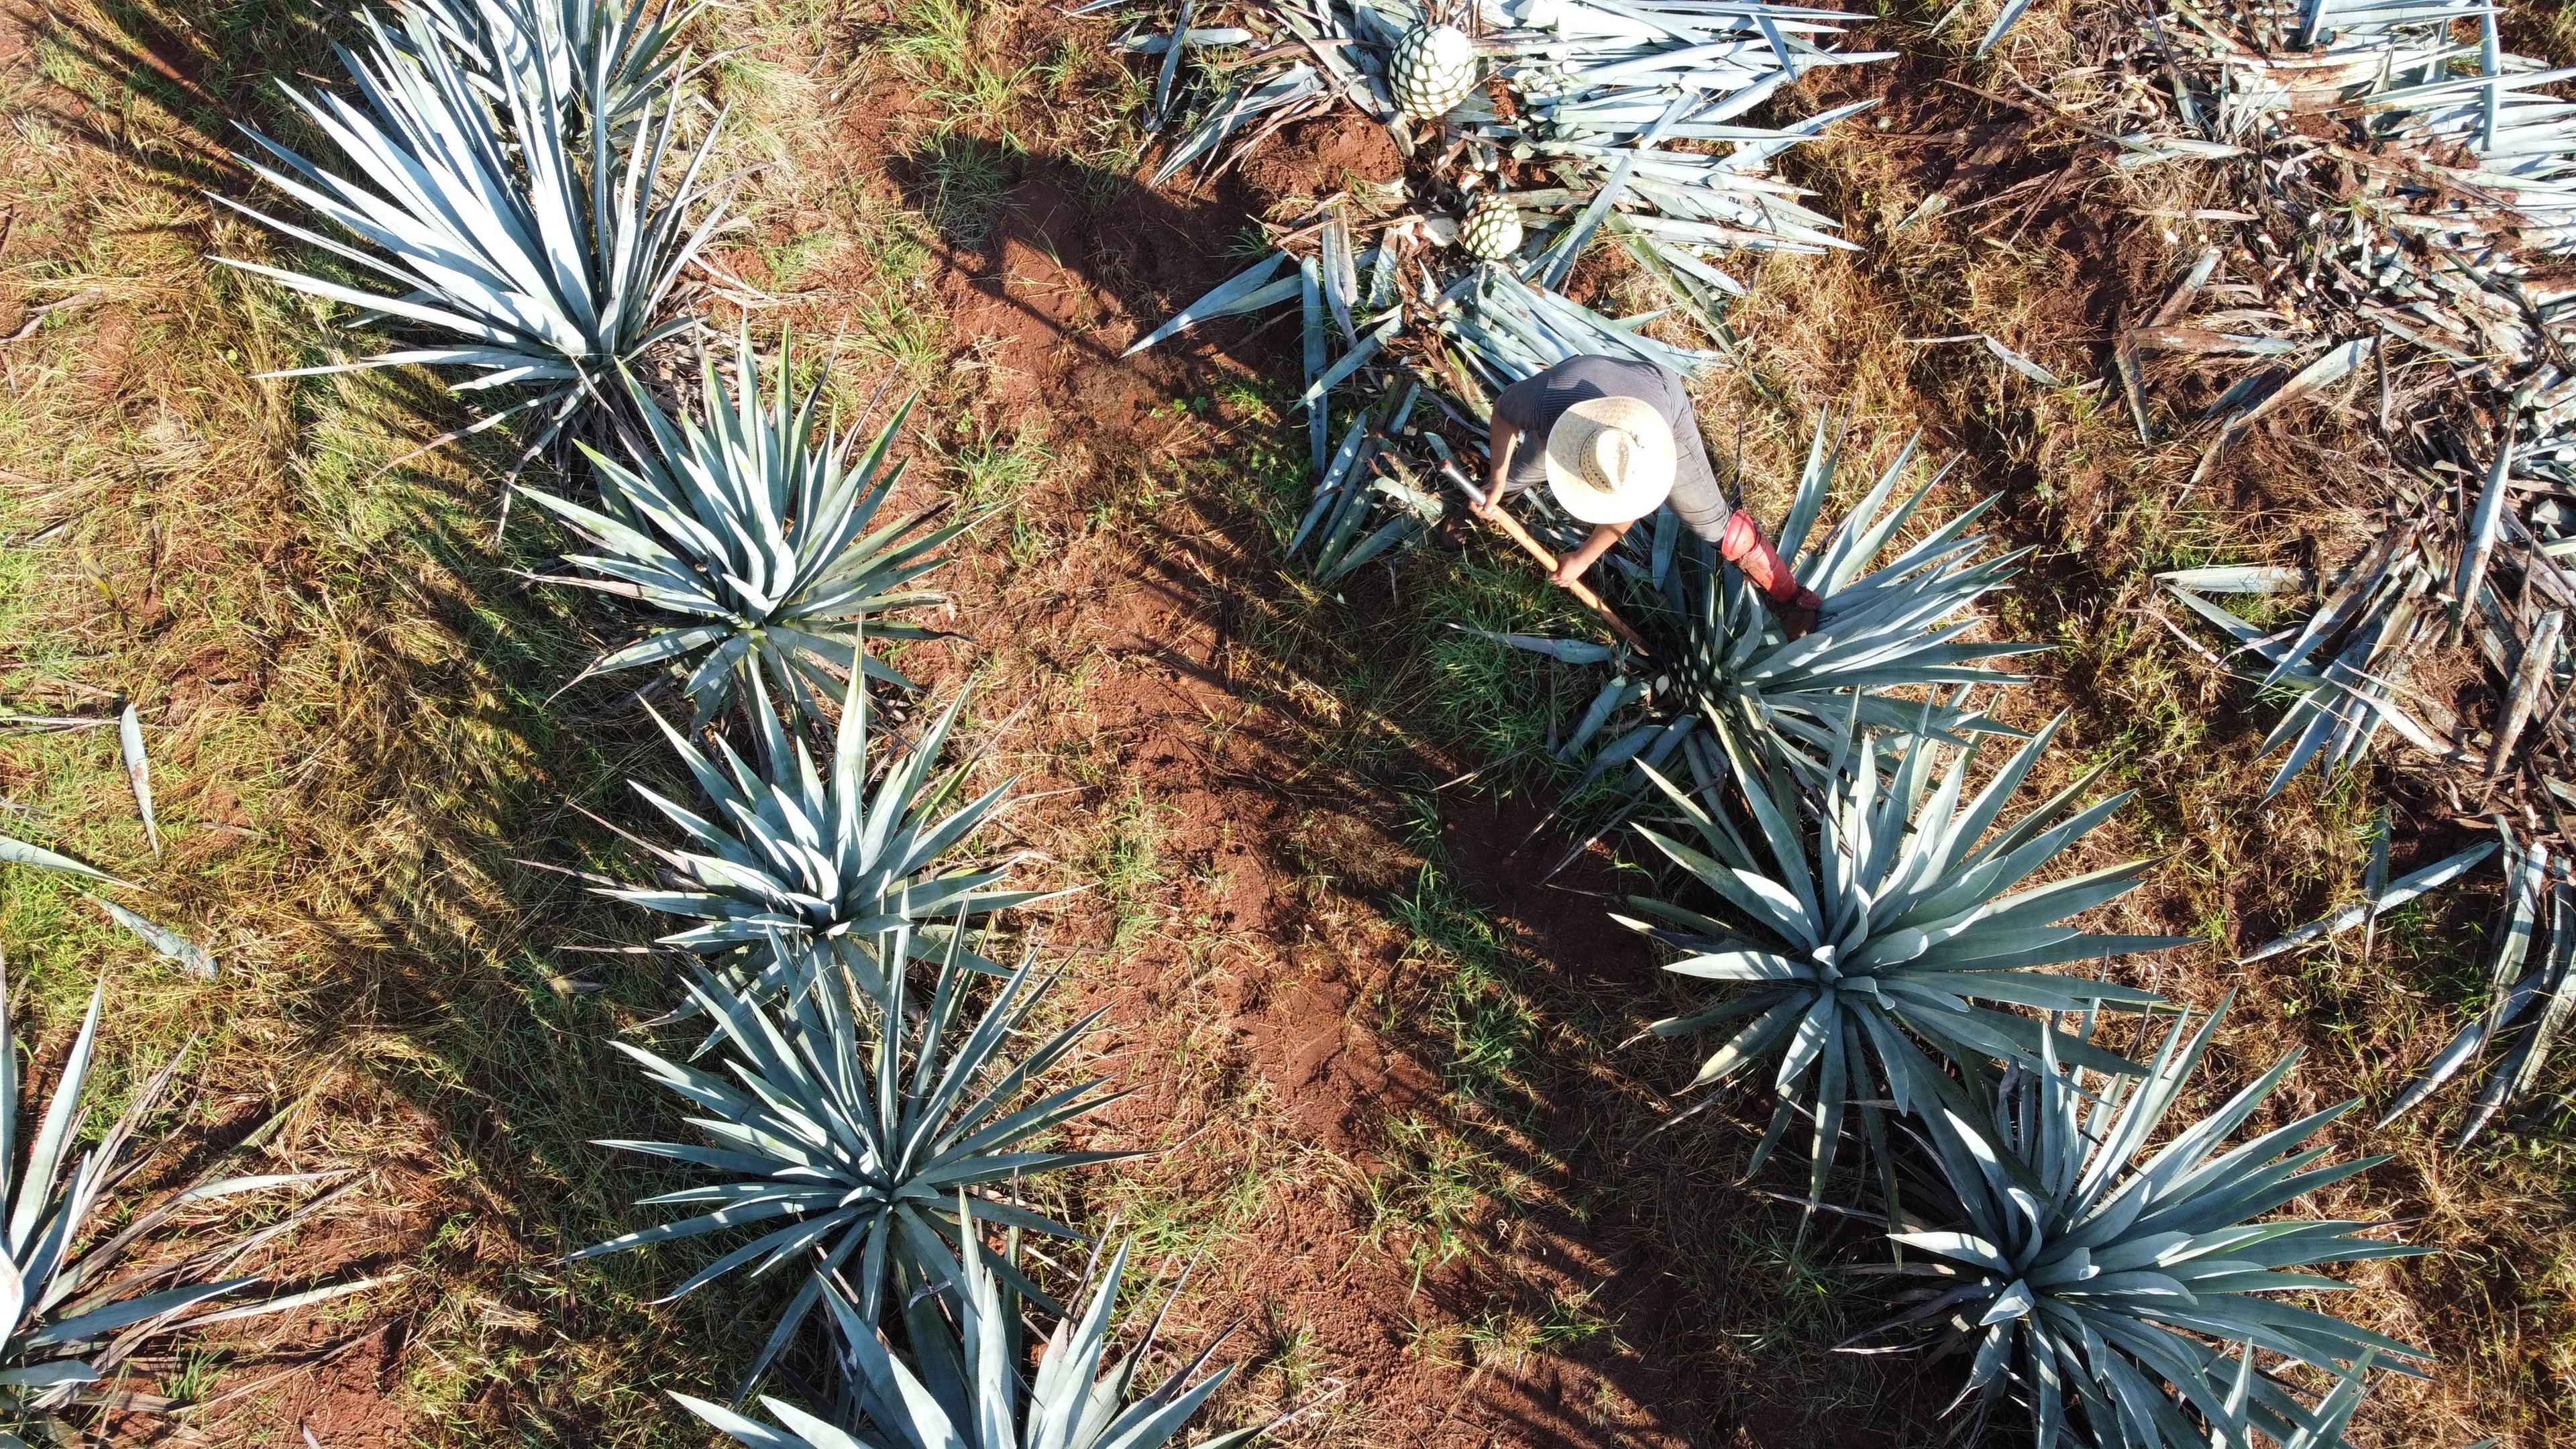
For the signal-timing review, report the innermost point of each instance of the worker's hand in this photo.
(1570, 568)
(1798, 616)
(1485, 505)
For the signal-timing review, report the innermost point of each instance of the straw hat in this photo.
(1610, 460)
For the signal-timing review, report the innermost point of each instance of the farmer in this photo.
(1614, 439)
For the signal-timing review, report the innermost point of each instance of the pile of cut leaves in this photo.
(2390, 198)
(2386, 189)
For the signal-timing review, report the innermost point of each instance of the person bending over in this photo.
(1613, 439)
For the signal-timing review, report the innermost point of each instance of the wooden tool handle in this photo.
(1512, 529)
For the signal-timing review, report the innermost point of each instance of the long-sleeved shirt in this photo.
(1535, 403)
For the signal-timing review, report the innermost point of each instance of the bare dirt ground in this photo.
(1375, 1063)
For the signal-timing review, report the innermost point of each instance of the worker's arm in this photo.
(1574, 565)
(1744, 546)
(1500, 439)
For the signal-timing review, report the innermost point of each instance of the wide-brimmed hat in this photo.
(1610, 460)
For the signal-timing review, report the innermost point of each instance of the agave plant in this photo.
(976, 1400)
(806, 871)
(1875, 959)
(753, 540)
(2096, 1284)
(1469, 334)
(1403, 282)
(584, 48)
(73, 1311)
(539, 248)
(1602, 100)
(1720, 685)
(852, 1121)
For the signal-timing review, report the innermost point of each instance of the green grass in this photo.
(1491, 1029)
(939, 44)
(1125, 861)
(994, 467)
(963, 182)
(1173, 1227)
(1509, 1337)
(1294, 1355)
(1434, 1194)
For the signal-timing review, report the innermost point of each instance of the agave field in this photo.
(778, 724)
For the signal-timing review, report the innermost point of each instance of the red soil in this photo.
(1300, 991)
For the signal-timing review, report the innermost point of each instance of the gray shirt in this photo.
(1534, 404)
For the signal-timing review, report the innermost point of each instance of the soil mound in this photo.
(1313, 159)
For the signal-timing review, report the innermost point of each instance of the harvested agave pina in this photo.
(1491, 228)
(1433, 69)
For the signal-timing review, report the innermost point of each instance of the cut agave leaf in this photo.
(2535, 897)
(138, 773)
(2378, 903)
(194, 959)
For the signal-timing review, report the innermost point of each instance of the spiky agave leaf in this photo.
(753, 539)
(193, 958)
(1903, 942)
(2095, 1282)
(71, 1312)
(538, 247)
(970, 1395)
(851, 1123)
(1720, 684)
(625, 54)
(2341, 669)
(794, 869)
(1614, 104)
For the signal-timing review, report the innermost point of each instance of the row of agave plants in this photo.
(532, 177)
(519, 169)
(1851, 883)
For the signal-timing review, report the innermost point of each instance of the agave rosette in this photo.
(756, 541)
(1719, 685)
(848, 1125)
(970, 1395)
(794, 871)
(1897, 936)
(73, 1311)
(575, 49)
(540, 248)
(2102, 1283)
(1379, 320)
